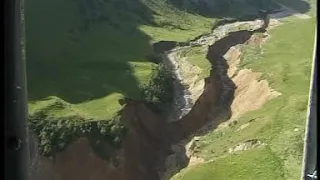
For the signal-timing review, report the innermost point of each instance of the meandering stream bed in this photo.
(187, 122)
(183, 101)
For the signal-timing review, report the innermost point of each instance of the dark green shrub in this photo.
(158, 94)
(54, 135)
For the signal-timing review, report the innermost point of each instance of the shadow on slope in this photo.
(236, 9)
(302, 6)
(83, 50)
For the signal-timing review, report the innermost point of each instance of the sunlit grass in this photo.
(86, 68)
(197, 57)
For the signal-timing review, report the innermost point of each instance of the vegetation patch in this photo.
(54, 133)
(251, 165)
(158, 94)
(197, 56)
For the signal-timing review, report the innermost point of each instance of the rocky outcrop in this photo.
(183, 98)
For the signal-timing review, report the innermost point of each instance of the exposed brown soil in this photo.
(198, 116)
(251, 92)
(255, 40)
(146, 146)
(249, 144)
(233, 58)
(75, 163)
(195, 160)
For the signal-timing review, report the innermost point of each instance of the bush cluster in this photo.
(158, 94)
(53, 135)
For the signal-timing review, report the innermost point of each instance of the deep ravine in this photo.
(182, 94)
(217, 96)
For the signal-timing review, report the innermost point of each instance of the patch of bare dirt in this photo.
(194, 160)
(191, 78)
(78, 162)
(249, 144)
(233, 57)
(251, 93)
(257, 40)
(243, 126)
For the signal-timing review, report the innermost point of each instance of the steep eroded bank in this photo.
(218, 91)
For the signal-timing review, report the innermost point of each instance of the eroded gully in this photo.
(150, 139)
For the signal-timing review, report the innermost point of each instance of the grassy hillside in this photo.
(286, 64)
(85, 55)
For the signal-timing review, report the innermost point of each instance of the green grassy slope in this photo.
(239, 166)
(197, 57)
(83, 56)
(90, 56)
(286, 64)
